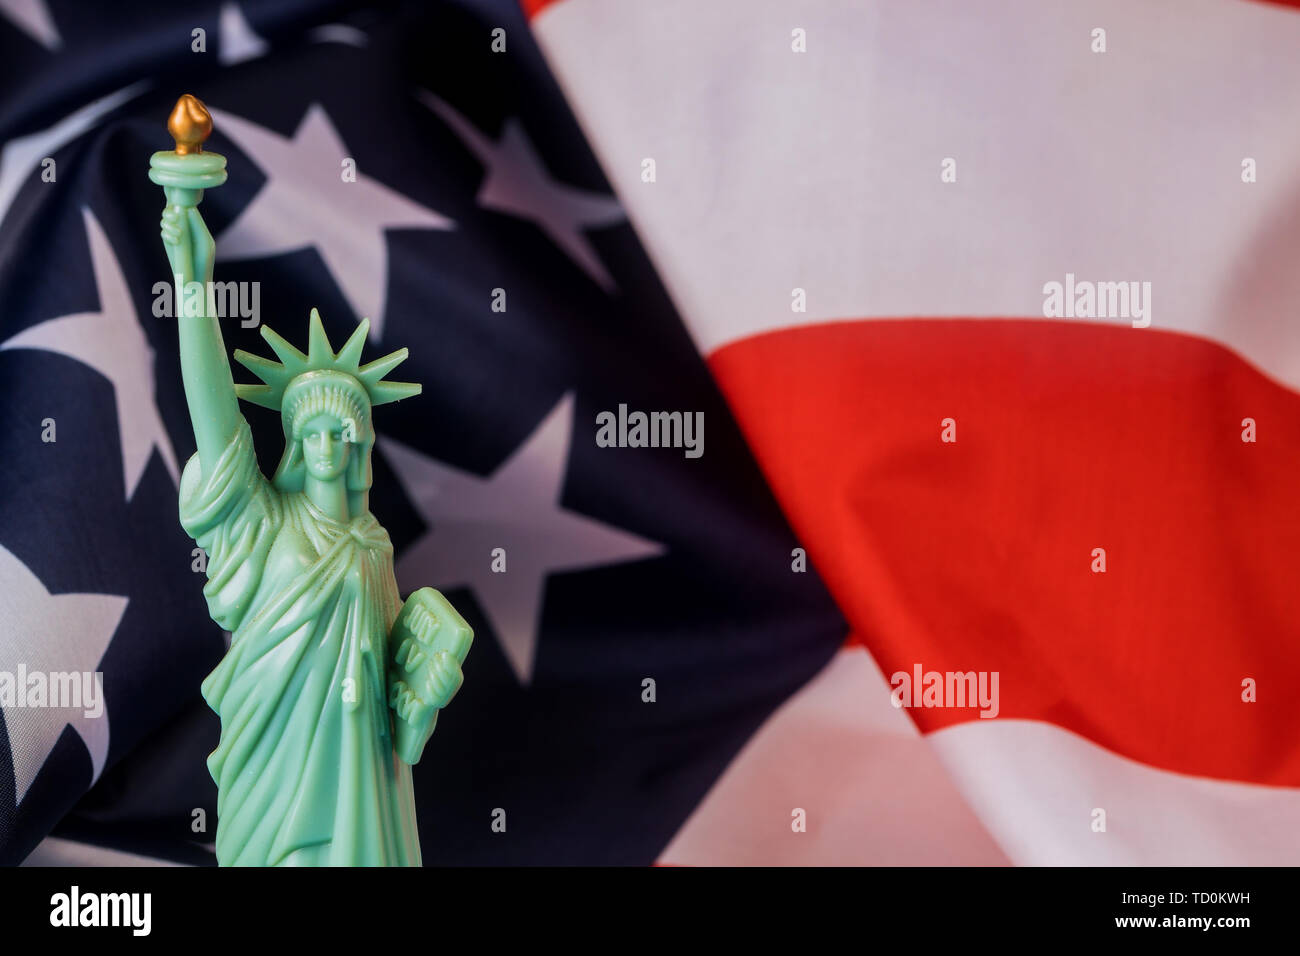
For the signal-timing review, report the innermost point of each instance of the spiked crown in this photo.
(321, 372)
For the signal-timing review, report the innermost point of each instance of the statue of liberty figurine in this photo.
(331, 687)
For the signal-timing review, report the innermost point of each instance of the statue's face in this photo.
(326, 445)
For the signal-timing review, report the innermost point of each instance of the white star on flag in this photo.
(21, 154)
(305, 202)
(51, 633)
(33, 18)
(343, 33)
(516, 508)
(237, 40)
(516, 183)
(112, 343)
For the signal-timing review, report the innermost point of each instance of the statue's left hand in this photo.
(446, 678)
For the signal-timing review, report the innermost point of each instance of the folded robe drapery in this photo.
(305, 768)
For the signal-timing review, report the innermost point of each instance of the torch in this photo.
(184, 173)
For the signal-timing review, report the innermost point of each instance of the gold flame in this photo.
(190, 124)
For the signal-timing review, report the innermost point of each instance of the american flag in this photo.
(989, 312)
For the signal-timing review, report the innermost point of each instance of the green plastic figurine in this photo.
(331, 687)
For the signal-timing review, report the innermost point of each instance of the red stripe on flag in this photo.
(977, 555)
(533, 7)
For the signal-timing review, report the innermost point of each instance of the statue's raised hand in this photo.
(172, 224)
(189, 245)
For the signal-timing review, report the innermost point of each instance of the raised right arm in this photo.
(209, 387)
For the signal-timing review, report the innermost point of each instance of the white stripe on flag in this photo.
(872, 790)
(875, 792)
(1037, 787)
(821, 170)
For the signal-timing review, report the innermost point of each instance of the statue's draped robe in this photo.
(305, 769)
